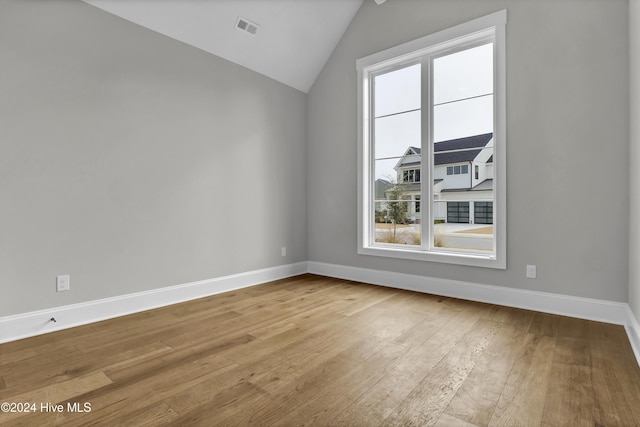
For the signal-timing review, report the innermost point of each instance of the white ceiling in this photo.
(294, 40)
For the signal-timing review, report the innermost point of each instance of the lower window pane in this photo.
(463, 225)
(398, 222)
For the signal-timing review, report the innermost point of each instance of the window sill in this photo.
(468, 259)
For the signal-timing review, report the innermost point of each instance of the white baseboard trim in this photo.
(583, 308)
(633, 332)
(26, 325)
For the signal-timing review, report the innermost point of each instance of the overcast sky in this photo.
(460, 109)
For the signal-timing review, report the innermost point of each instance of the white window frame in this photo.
(460, 166)
(471, 32)
(411, 177)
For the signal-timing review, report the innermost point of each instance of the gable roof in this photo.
(440, 158)
(476, 141)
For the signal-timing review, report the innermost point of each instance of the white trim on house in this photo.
(38, 322)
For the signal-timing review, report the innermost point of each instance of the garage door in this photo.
(458, 212)
(483, 212)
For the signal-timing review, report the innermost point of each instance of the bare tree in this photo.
(395, 206)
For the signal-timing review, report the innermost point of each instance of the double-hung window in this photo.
(428, 111)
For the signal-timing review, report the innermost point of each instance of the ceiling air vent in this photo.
(246, 25)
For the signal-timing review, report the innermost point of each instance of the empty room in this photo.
(327, 212)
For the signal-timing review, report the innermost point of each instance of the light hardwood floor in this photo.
(315, 350)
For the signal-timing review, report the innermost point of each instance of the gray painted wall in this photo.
(634, 158)
(567, 136)
(131, 161)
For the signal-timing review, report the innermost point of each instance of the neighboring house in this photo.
(462, 179)
(381, 187)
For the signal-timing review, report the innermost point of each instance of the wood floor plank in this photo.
(295, 344)
(341, 394)
(523, 397)
(569, 327)
(614, 337)
(59, 370)
(31, 370)
(285, 401)
(615, 380)
(319, 315)
(50, 341)
(513, 316)
(274, 366)
(267, 315)
(430, 325)
(325, 351)
(426, 403)
(21, 355)
(152, 415)
(216, 407)
(125, 396)
(544, 324)
(53, 394)
(303, 355)
(478, 396)
(447, 420)
(569, 399)
(190, 399)
(379, 402)
(573, 351)
(160, 331)
(300, 343)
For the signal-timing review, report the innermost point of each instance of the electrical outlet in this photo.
(531, 271)
(284, 251)
(63, 283)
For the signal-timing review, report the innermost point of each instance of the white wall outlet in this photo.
(63, 283)
(531, 272)
(284, 251)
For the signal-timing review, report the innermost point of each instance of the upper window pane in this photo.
(463, 118)
(454, 79)
(395, 134)
(386, 170)
(397, 91)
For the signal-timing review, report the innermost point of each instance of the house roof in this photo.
(410, 164)
(440, 158)
(476, 141)
(485, 185)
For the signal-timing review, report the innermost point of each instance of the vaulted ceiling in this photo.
(294, 38)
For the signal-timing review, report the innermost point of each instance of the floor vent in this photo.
(246, 25)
